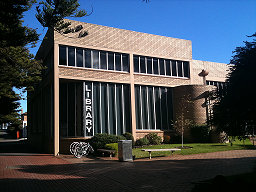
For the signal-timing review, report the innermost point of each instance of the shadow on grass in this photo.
(246, 146)
(235, 145)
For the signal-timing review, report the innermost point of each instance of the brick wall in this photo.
(128, 41)
(196, 109)
(217, 71)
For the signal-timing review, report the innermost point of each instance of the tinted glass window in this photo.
(180, 69)
(95, 60)
(164, 109)
(62, 55)
(118, 61)
(149, 65)
(144, 107)
(174, 68)
(71, 56)
(138, 107)
(142, 65)
(186, 69)
(168, 67)
(155, 66)
(103, 60)
(110, 61)
(87, 58)
(125, 60)
(158, 107)
(161, 64)
(79, 57)
(136, 64)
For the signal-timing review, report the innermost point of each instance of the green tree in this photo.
(234, 110)
(18, 68)
(181, 123)
(51, 14)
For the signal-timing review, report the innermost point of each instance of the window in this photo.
(168, 67)
(117, 61)
(103, 60)
(136, 64)
(155, 66)
(142, 65)
(125, 62)
(149, 65)
(186, 69)
(158, 66)
(153, 107)
(87, 58)
(174, 68)
(110, 61)
(71, 56)
(87, 108)
(95, 60)
(162, 67)
(180, 74)
(218, 84)
(78, 57)
(62, 55)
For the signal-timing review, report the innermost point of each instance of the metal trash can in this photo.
(125, 150)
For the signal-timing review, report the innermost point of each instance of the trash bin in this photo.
(125, 150)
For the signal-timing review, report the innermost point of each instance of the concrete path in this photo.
(44, 172)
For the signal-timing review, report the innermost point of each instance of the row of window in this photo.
(86, 58)
(154, 108)
(219, 85)
(157, 66)
(88, 108)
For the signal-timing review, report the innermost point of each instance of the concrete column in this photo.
(56, 100)
(191, 65)
(133, 112)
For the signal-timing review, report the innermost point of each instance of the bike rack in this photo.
(78, 149)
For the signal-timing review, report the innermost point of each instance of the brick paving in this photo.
(44, 172)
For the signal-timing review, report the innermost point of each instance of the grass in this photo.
(196, 148)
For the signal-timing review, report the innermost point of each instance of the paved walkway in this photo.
(44, 172)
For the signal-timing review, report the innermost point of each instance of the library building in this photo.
(115, 81)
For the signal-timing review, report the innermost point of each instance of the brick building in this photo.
(115, 81)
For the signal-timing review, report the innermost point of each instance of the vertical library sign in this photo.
(88, 108)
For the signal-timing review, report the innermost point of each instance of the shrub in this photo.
(153, 138)
(176, 138)
(112, 146)
(142, 141)
(200, 133)
(129, 136)
(99, 140)
(167, 139)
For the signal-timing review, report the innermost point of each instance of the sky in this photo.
(215, 27)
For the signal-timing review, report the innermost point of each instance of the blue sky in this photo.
(215, 27)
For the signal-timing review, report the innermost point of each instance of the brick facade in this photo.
(122, 41)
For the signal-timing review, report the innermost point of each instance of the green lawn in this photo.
(196, 148)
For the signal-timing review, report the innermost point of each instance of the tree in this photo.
(18, 68)
(234, 110)
(181, 123)
(51, 14)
